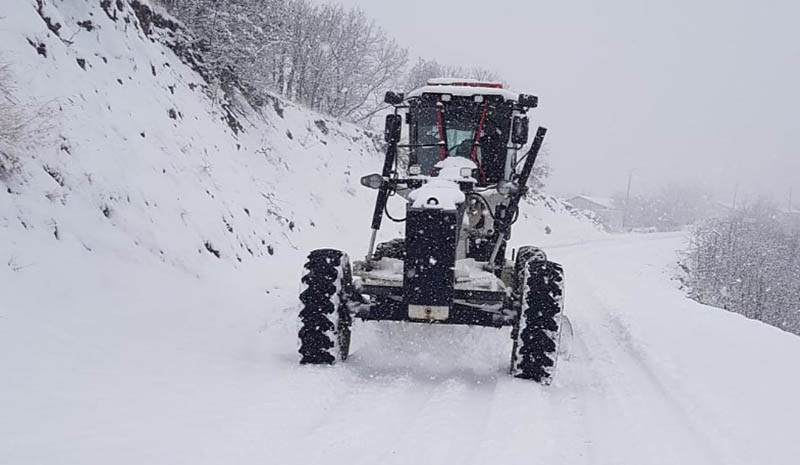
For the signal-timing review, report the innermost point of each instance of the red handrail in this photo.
(474, 154)
(442, 138)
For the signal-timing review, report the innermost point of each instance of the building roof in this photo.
(602, 202)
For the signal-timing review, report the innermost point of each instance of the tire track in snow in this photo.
(609, 404)
(450, 393)
(450, 429)
(410, 394)
(367, 418)
(675, 408)
(632, 397)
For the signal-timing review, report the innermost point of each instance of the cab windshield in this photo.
(460, 127)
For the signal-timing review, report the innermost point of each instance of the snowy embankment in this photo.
(142, 164)
(124, 338)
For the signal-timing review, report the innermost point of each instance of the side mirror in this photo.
(391, 132)
(528, 101)
(373, 181)
(394, 98)
(519, 130)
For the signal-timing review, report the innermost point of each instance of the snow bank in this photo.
(145, 165)
(547, 222)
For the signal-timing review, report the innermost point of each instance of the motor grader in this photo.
(465, 173)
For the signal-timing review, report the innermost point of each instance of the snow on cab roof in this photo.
(463, 88)
(447, 81)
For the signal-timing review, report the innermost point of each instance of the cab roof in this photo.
(463, 88)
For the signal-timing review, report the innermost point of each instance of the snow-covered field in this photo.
(124, 338)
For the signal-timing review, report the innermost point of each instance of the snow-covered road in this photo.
(176, 371)
(149, 271)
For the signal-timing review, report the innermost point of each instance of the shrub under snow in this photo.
(749, 263)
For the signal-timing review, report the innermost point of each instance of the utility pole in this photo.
(735, 194)
(791, 188)
(627, 199)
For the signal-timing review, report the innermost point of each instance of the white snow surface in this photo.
(439, 81)
(462, 91)
(125, 340)
(442, 194)
(451, 168)
(443, 191)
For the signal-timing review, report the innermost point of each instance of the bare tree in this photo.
(423, 70)
(13, 124)
(23, 125)
(326, 57)
(748, 263)
(668, 208)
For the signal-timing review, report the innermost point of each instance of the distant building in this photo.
(791, 217)
(603, 209)
(718, 209)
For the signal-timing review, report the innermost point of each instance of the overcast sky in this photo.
(695, 91)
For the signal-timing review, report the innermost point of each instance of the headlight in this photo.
(373, 181)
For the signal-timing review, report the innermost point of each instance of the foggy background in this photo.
(693, 92)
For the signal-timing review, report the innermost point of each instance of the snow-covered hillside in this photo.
(142, 162)
(150, 253)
